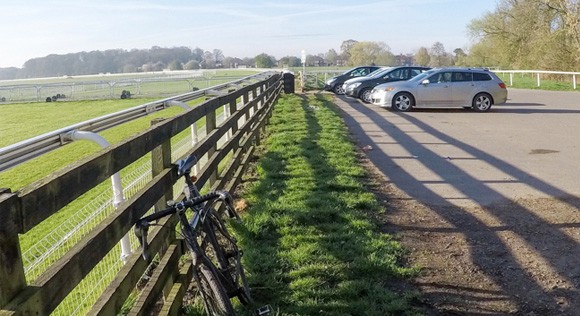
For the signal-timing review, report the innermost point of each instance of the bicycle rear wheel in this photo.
(213, 294)
(224, 250)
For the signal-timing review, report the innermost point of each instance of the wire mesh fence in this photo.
(46, 251)
(107, 86)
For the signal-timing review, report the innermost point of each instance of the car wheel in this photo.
(365, 96)
(482, 102)
(403, 102)
(338, 89)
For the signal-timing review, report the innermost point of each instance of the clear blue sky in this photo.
(37, 28)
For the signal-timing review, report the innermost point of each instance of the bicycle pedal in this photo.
(263, 311)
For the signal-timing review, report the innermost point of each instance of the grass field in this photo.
(310, 243)
(22, 121)
(529, 81)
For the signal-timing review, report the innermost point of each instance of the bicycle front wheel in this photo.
(225, 251)
(213, 294)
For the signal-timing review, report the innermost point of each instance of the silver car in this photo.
(478, 89)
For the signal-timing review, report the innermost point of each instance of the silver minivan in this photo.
(478, 89)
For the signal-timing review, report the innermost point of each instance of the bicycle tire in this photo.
(215, 299)
(228, 258)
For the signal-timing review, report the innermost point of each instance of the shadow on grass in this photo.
(314, 250)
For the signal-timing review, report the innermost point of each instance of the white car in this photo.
(478, 89)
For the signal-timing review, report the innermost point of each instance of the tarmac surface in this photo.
(527, 147)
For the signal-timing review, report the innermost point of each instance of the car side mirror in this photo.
(425, 82)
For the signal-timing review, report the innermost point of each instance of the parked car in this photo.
(361, 87)
(478, 89)
(334, 84)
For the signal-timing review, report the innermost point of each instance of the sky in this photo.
(37, 28)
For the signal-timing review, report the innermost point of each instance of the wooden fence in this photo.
(21, 211)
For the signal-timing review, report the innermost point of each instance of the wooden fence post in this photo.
(210, 125)
(11, 266)
(161, 159)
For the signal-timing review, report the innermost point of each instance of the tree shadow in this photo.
(331, 260)
(549, 242)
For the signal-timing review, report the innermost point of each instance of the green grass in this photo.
(529, 81)
(21, 121)
(310, 244)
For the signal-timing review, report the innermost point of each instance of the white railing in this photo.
(537, 74)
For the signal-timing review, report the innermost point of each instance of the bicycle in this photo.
(218, 270)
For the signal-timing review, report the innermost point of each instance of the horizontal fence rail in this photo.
(249, 107)
(20, 152)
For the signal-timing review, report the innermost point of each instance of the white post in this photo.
(118, 197)
(511, 79)
(574, 81)
(538, 76)
(193, 127)
(303, 76)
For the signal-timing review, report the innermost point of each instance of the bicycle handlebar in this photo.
(142, 225)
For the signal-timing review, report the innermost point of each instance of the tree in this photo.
(218, 56)
(371, 53)
(232, 62)
(345, 48)
(265, 61)
(175, 65)
(314, 60)
(422, 57)
(289, 61)
(191, 65)
(524, 33)
(331, 57)
(438, 57)
(208, 61)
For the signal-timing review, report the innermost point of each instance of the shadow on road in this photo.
(513, 270)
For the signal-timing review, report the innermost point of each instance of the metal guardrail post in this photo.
(117, 185)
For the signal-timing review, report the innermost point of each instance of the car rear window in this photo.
(478, 76)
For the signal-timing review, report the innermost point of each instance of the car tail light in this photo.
(502, 85)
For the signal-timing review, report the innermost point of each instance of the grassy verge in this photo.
(311, 246)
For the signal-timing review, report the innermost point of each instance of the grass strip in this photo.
(311, 246)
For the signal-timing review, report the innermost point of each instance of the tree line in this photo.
(518, 34)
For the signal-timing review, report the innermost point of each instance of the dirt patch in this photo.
(516, 257)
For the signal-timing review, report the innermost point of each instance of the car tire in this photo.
(338, 89)
(482, 102)
(403, 102)
(365, 95)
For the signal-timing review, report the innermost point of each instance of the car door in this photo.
(436, 93)
(463, 88)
